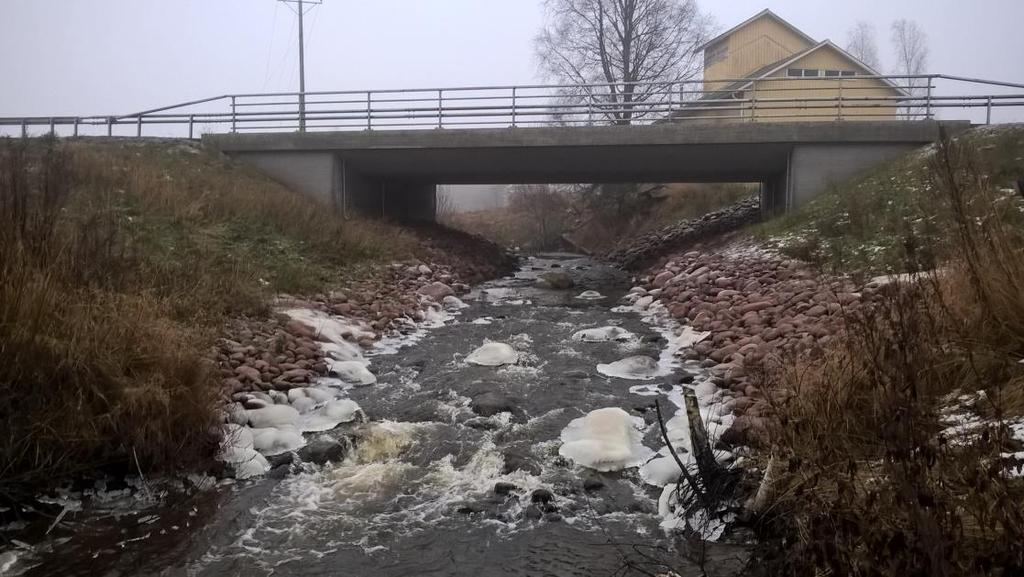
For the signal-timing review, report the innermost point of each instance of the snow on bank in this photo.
(661, 469)
(273, 423)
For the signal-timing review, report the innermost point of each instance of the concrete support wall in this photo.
(814, 168)
(773, 195)
(316, 174)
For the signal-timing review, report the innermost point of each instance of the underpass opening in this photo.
(594, 218)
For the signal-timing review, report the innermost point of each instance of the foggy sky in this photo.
(79, 57)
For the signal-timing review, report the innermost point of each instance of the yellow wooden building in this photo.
(767, 69)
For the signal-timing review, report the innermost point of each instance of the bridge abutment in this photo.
(328, 178)
(814, 168)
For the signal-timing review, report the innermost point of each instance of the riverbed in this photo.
(457, 470)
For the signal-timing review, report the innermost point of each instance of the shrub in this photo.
(867, 477)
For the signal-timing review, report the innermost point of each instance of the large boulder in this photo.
(555, 280)
(436, 291)
(489, 404)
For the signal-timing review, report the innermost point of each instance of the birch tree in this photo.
(622, 45)
(861, 43)
(911, 50)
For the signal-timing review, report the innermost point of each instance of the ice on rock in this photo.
(252, 465)
(237, 449)
(493, 355)
(303, 404)
(643, 302)
(316, 394)
(662, 469)
(352, 373)
(237, 436)
(638, 368)
(453, 303)
(328, 328)
(272, 441)
(590, 296)
(709, 527)
(689, 337)
(603, 334)
(605, 440)
(330, 416)
(273, 416)
(342, 351)
(7, 561)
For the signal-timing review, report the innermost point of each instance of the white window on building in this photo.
(815, 73)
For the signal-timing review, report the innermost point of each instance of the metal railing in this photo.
(773, 99)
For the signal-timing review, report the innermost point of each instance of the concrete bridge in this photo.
(394, 173)
(382, 152)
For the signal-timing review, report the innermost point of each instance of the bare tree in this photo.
(546, 212)
(861, 43)
(623, 44)
(911, 46)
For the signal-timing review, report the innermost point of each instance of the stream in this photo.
(456, 472)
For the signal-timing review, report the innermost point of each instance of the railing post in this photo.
(928, 100)
(988, 111)
(513, 107)
(839, 105)
(191, 125)
(138, 130)
(440, 104)
(110, 126)
(590, 107)
(234, 114)
(753, 100)
(24, 128)
(53, 127)
(369, 110)
(76, 127)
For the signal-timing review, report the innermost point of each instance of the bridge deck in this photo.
(745, 151)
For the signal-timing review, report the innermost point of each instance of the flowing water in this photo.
(439, 484)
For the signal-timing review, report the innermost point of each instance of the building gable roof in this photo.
(787, 62)
(758, 16)
(771, 69)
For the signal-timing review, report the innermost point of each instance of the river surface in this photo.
(417, 495)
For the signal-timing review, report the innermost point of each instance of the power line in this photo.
(301, 10)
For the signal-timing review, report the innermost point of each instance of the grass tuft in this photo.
(120, 262)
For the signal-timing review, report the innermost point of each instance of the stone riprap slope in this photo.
(758, 307)
(643, 251)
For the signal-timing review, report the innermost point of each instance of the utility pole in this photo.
(302, 56)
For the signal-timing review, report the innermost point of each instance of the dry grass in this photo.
(119, 262)
(868, 482)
